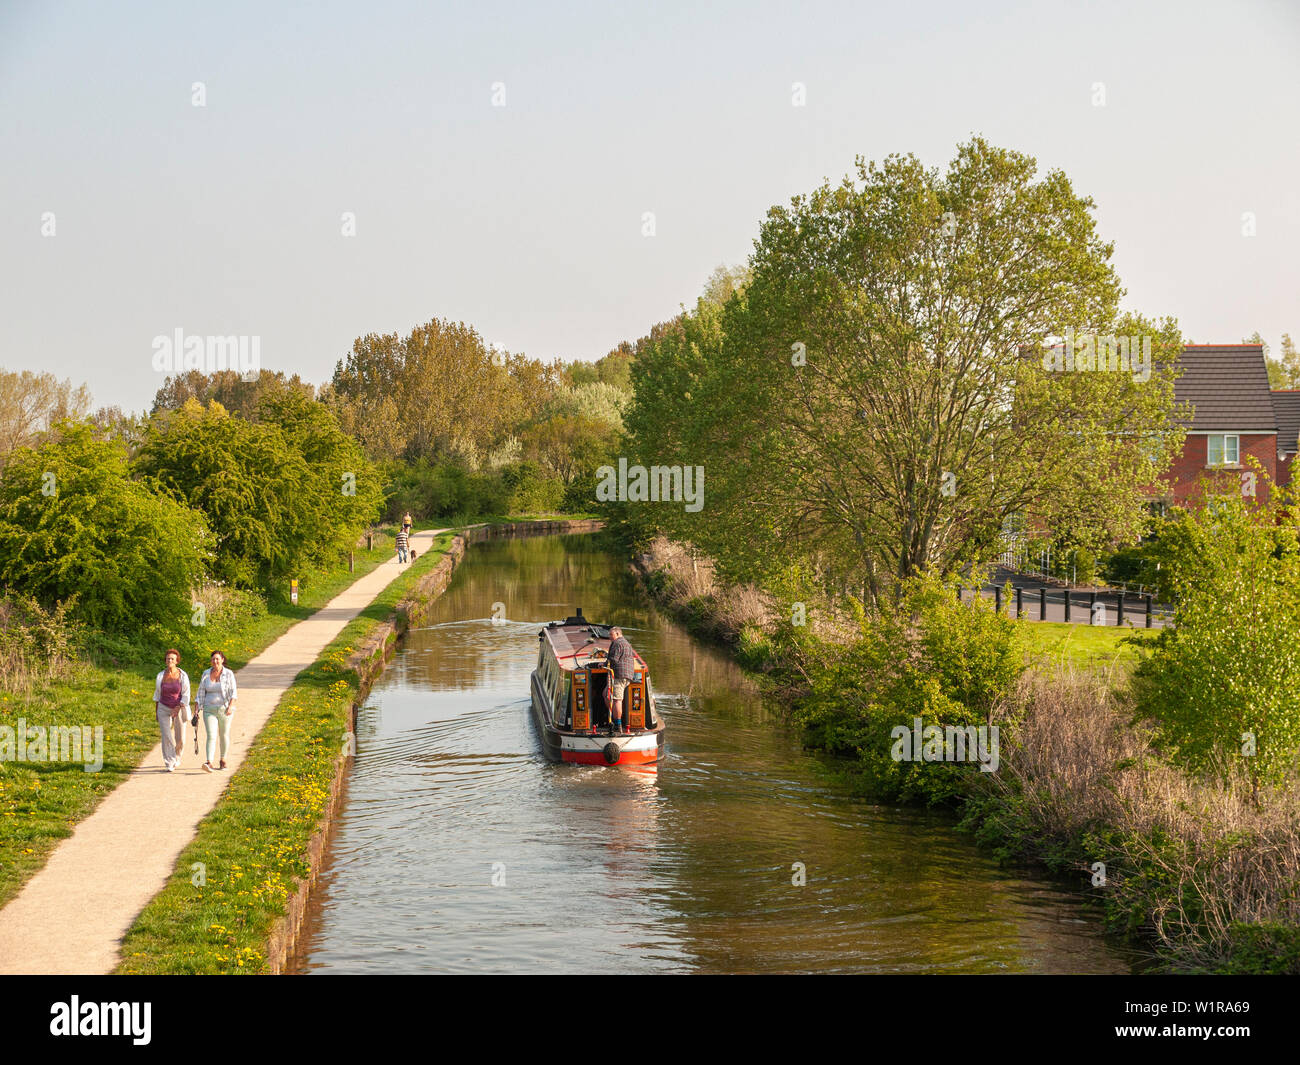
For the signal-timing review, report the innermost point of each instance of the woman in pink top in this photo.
(171, 702)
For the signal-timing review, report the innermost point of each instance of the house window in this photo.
(1222, 449)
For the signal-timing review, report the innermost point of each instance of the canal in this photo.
(460, 849)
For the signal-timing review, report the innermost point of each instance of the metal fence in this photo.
(1112, 606)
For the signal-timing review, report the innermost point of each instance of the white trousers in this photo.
(172, 730)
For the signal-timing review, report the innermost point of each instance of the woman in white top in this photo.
(216, 698)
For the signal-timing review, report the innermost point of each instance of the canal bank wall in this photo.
(368, 661)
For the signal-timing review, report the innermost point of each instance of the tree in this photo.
(876, 396)
(724, 282)
(30, 403)
(596, 401)
(257, 492)
(1283, 372)
(439, 391)
(112, 423)
(74, 523)
(571, 445)
(344, 484)
(227, 387)
(613, 369)
(1223, 682)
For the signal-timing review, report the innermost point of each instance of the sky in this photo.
(498, 160)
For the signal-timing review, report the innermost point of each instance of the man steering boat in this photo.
(622, 663)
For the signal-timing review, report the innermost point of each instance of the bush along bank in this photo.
(1201, 868)
(237, 898)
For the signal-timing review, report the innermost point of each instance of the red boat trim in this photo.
(598, 757)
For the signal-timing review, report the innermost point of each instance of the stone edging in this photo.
(368, 661)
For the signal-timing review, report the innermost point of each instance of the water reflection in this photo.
(461, 849)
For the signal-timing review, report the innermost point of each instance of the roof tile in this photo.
(1227, 384)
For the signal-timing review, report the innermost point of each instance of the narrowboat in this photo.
(569, 689)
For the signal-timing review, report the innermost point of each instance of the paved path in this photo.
(1134, 605)
(71, 916)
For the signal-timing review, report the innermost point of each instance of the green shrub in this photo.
(1085, 566)
(73, 522)
(1270, 947)
(933, 659)
(580, 494)
(1228, 672)
(531, 490)
(448, 491)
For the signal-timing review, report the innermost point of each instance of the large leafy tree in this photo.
(875, 396)
(1223, 682)
(441, 390)
(251, 487)
(345, 487)
(273, 491)
(74, 522)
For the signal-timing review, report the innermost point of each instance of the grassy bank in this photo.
(110, 687)
(231, 883)
(1204, 873)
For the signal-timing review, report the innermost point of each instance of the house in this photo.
(1286, 405)
(1234, 416)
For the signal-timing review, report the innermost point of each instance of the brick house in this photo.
(1286, 405)
(1234, 416)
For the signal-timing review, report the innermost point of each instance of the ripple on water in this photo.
(460, 849)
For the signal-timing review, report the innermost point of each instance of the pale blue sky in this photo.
(525, 221)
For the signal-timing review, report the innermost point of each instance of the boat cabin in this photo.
(569, 689)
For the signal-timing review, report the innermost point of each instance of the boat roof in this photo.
(568, 638)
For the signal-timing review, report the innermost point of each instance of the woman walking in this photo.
(216, 699)
(171, 701)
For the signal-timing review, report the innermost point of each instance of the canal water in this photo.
(461, 849)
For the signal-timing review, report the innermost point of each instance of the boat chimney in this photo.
(579, 614)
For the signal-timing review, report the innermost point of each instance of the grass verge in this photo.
(1109, 648)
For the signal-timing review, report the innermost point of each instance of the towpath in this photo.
(71, 916)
